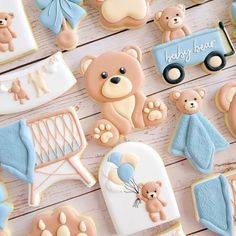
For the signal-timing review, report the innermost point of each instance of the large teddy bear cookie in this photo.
(172, 22)
(114, 80)
(122, 14)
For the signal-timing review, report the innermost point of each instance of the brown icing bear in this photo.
(226, 103)
(19, 93)
(172, 22)
(114, 80)
(149, 193)
(6, 33)
(189, 101)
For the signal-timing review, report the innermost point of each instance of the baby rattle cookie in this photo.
(6, 209)
(62, 18)
(195, 137)
(210, 48)
(132, 176)
(175, 230)
(226, 103)
(64, 221)
(122, 14)
(114, 80)
(14, 32)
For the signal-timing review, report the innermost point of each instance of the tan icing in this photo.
(230, 94)
(125, 107)
(42, 226)
(83, 227)
(114, 11)
(113, 176)
(105, 137)
(215, 61)
(63, 231)
(130, 158)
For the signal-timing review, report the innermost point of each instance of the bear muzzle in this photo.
(3, 23)
(175, 22)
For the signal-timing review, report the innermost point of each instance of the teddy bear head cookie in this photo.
(189, 101)
(114, 80)
(172, 22)
(6, 19)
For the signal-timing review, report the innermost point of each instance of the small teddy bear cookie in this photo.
(132, 176)
(175, 230)
(195, 137)
(64, 221)
(14, 32)
(122, 14)
(62, 18)
(114, 80)
(226, 103)
(172, 22)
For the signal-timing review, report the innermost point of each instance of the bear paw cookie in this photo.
(62, 18)
(209, 47)
(175, 230)
(214, 202)
(64, 221)
(14, 32)
(132, 176)
(122, 14)
(226, 103)
(114, 80)
(195, 137)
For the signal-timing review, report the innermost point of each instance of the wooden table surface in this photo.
(95, 40)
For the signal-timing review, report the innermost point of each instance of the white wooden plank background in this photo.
(95, 40)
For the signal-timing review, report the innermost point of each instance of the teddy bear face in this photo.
(151, 190)
(6, 19)
(189, 101)
(171, 18)
(113, 76)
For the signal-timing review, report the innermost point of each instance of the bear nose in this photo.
(152, 195)
(175, 20)
(192, 103)
(115, 80)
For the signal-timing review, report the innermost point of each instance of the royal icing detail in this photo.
(133, 176)
(226, 103)
(64, 221)
(14, 32)
(209, 47)
(195, 137)
(214, 200)
(36, 85)
(172, 22)
(6, 209)
(62, 18)
(118, 90)
(175, 230)
(123, 14)
(59, 143)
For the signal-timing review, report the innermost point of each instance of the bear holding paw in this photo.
(114, 80)
(6, 33)
(172, 22)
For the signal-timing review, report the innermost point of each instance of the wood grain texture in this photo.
(95, 40)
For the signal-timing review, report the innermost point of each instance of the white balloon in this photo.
(114, 187)
(3, 88)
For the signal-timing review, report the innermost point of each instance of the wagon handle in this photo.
(222, 27)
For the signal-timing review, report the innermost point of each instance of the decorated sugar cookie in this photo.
(36, 85)
(114, 80)
(195, 137)
(122, 14)
(14, 32)
(64, 221)
(175, 230)
(6, 209)
(214, 200)
(226, 103)
(132, 176)
(210, 48)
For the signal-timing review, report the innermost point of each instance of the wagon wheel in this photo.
(215, 61)
(174, 73)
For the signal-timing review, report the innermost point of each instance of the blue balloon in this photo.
(115, 158)
(126, 172)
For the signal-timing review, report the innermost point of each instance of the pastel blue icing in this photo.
(126, 172)
(54, 11)
(5, 211)
(214, 205)
(115, 158)
(186, 49)
(17, 154)
(197, 140)
(233, 11)
(3, 194)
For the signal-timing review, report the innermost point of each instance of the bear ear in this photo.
(181, 7)
(85, 63)
(133, 51)
(159, 183)
(11, 14)
(201, 92)
(140, 186)
(158, 15)
(174, 96)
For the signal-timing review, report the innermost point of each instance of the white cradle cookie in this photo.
(15, 31)
(133, 177)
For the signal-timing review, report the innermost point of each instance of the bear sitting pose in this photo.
(6, 33)
(114, 80)
(172, 22)
(149, 193)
